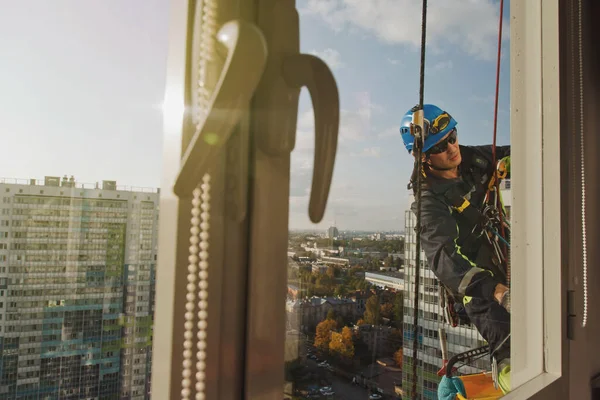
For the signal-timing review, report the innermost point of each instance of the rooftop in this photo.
(55, 181)
(390, 274)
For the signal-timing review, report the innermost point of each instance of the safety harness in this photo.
(457, 198)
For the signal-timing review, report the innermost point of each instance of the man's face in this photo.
(445, 155)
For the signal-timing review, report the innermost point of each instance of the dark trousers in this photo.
(493, 323)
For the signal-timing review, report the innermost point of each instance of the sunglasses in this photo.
(443, 145)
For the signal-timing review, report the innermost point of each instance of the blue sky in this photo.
(373, 51)
(82, 83)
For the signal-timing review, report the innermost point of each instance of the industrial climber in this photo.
(454, 182)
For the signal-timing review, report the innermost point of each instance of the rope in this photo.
(497, 87)
(497, 200)
(418, 146)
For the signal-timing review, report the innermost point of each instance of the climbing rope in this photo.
(419, 130)
(498, 201)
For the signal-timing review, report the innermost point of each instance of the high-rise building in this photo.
(77, 269)
(459, 339)
(333, 232)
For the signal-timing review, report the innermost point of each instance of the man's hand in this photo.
(502, 296)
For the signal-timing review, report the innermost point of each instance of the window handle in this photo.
(242, 71)
(311, 72)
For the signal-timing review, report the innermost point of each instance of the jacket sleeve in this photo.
(439, 234)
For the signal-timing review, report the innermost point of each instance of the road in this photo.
(344, 389)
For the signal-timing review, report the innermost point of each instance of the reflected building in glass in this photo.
(77, 269)
(459, 339)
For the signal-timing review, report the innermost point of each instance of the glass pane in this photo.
(351, 278)
(82, 83)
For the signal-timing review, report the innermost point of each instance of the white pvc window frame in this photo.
(536, 317)
(537, 327)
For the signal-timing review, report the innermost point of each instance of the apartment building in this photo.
(77, 266)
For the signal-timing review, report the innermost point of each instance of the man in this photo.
(458, 254)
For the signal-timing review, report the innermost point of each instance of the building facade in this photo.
(430, 319)
(77, 269)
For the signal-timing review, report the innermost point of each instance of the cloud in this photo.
(355, 128)
(394, 62)
(392, 131)
(482, 99)
(440, 66)
(331, 57)
(470, 25)
(368, 152)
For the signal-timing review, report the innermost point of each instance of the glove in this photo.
(505, 301)
(503, 167)
(448, 388)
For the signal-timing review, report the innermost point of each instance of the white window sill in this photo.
(532, 387)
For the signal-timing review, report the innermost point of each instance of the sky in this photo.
(82, 83)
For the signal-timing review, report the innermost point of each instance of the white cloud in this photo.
(331, 57)
(472, 25)
(394, 61)
(482, 99)
(441, 65)
(355, 128)
(368, 152)
(389, 132)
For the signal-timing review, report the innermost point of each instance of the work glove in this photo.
(503, 167)
(505, 300)
(448, 388)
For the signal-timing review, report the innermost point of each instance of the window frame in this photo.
(537, 328)
(537, 343)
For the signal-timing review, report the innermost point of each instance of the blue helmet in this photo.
(438, 121)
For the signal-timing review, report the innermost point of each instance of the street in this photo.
(344, 389)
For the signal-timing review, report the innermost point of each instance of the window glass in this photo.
(79, 211)
(351, 277)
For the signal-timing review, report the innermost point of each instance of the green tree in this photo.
(340, 290)
(331, 314)
(372, 312)
(399, 308)
(333, 272)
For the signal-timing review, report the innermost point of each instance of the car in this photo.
(325, 389)
(375, 396)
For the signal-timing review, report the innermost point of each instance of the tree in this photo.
(340, 290)
(331, 314)
(360, 322)
(389, 261)
(398, 357)
(323, 334)
(387, 310)
(333, 272)
(342, 344)
(399, 308)
(372, 313)
(324, 280)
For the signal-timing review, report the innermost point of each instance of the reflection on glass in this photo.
(77, 284)
(81, 89)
